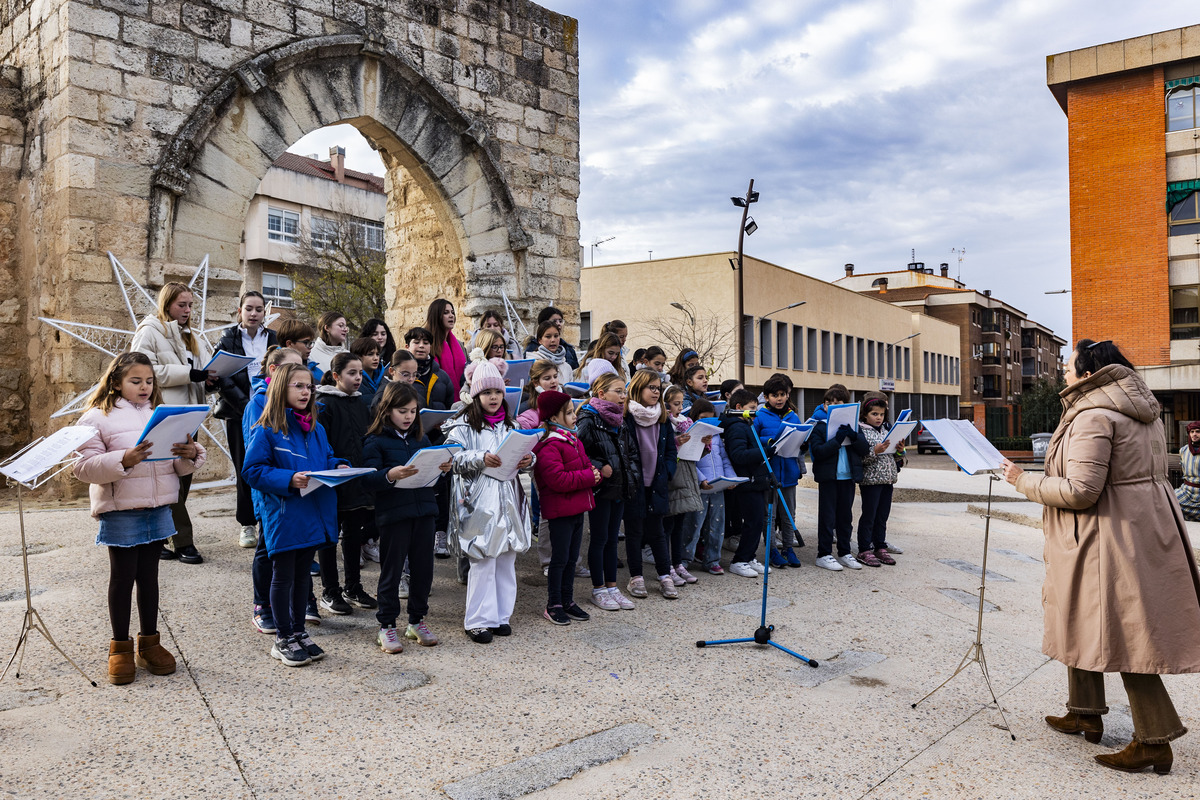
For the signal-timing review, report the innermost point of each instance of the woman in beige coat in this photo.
(178, 354)
(1122, 593)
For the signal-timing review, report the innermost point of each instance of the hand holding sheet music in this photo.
(693, 448)
(791, 439)
(226, 364)
(516, 446)
(896, 436)
(427, 462)
(332, 477)
(170, 425)
(839, 415)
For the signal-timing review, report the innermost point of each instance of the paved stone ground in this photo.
(651, 715)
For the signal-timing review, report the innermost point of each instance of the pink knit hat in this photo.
(486, 375)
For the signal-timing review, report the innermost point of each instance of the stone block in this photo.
(471, 101)
(95, 21)
(308, 23)
(275, 14)
(527, 138)
(75, 171)
(118, 178)
(1083, 63)
(117, 110)
(127, 59)
(90, 139)
(147, 90)
(1110, 57)
(163, 120)
(204, 21)
(1139, 52)
(1190, 42)
(157, 37)
(1167, 46)
(220, 56)
(241, 33)
(94, 76)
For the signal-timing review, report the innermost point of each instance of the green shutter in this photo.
(1178, 82)
(1178, 190)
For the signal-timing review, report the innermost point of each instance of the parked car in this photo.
(926, 443)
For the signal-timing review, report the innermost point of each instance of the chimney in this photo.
(337, 159)
(945, 270)
(849, 270)
(987, 292)
(881, 283)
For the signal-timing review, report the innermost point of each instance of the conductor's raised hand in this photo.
(1011, 472)
(491, 460)
(401, 472)
(185, 449)
(299, 480)
(136, 455)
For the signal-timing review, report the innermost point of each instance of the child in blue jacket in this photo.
(837, 469)
(285, 445)
(768, 424)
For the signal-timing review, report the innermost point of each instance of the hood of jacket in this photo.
(335, 391)
(1115, 388)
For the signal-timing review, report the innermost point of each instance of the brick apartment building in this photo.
(1003, 352)
(1133, 140)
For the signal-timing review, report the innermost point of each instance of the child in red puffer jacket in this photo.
(565, 478)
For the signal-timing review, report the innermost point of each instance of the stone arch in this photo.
(203, 184)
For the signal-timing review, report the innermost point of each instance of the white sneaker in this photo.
(371, 550)
(441, 544)
(402, 590)
(248, 537)
(581, 571)
(849, 562)
(829, 562)
(745, 569)
(602, 599)
(623, 602)
(759, 568)
(388, 640)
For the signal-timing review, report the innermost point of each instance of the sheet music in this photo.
(427, 461)
(27, 466)
(792, 439)
(839, 415)
(899, 432)
(723, 482)
(432, 418)
(226, 364)
(518, 371)
(904, 415)
(516, 445)
(693, 448)
(512, 398)
(332, 477)
(577, 389)
(170, 425)
(963, 442)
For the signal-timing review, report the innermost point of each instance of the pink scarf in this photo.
(609, 411)
(305, 421)
(453, 360)
(645, 416)
(495, 419)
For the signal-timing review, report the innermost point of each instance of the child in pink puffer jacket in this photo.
(132, 499)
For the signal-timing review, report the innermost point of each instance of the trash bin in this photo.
(1041, 442)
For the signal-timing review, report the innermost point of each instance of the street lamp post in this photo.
(743, 231)
(690, 315)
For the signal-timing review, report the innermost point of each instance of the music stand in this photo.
(974, 454)
(30, 468)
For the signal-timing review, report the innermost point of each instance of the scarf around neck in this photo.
(609, 411)
(1194, 447)
(496, 418)
(643, 415)
(557, 359)
(305, 421)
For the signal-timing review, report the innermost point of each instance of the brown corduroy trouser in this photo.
(1155, 720)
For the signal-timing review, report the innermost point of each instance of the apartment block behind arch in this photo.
(1133, 139)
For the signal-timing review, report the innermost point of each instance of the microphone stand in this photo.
(762, 634)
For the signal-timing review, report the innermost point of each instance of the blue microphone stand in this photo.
(762, 635)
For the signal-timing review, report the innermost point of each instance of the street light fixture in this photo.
(1059, 291)
(743, 230)
(906, 338)
(691, 316)
(785, 308)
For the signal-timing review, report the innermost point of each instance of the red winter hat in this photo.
(550, 403)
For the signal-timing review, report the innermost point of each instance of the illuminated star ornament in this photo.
(111, 341)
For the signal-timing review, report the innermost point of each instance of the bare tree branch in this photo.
(343, 266)
(702, 331)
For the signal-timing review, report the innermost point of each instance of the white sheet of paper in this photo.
(724, 482)
(427, 461)
(963, 442)
(518, 372)
(791, 440)
(332, 477)
(899, 432)
(839, 415)
(693, 448)
(47, 454)
(904, 415)
(577, 389)
(515, 446)
(170, 425)
(226, 364)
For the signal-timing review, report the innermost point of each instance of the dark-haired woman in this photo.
(246, 338)
(377, 329)
(554, 315)
(447, 350)
(1122, 593)
(1188, 494)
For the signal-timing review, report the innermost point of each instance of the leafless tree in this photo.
(343, 266)
(708, 334)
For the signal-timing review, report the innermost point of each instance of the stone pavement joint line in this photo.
(843, 663)
(972, 569)
(1019, 556)
(969, 599)
(556, 764)
(166, 623)
(753, 608)
(614, 635)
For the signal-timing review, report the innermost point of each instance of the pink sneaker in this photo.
(676, 578)
(715, 568)
(682, 572)
(885, 557)
(868, 558)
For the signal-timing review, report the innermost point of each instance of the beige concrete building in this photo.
(301, 199)
(836, 336)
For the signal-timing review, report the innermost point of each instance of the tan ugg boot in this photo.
(1090, 725)
(120, 662)
(153, 656)
(1137, 756)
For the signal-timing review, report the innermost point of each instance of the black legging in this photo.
(127, 567)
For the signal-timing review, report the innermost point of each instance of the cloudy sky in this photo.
(870, 127)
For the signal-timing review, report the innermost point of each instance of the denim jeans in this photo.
(708, 522)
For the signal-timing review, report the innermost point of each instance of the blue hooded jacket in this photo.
(291, 521)
(768, 425)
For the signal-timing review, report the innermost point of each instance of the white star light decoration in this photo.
(112, 341)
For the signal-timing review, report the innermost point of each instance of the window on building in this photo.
(858, 357)
(837, 353)
(825, 351)
(891, 356)
(277, 289)
(1185, 216)
(879, 358)
(797, 347)
(849, 355)
(812, 350)
(908, 363)
(764, 342)
(1185, 312)
(324, 233)
(781, 345)
(870, 359)
(283, 226)
(368, 234)
(748, 341)
(585, 329)
(1181, 109)
(925, 372)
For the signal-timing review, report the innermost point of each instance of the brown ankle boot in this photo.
(153, 656)
(1137, 756)
(1090, 725)
(120, 662)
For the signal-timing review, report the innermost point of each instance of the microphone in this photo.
(748, 413)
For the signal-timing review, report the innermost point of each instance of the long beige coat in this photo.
(163, 344)
(1122, 593)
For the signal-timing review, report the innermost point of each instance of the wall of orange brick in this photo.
(1118, 168)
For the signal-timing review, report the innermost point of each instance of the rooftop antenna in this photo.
(596, 243)
(960, 252)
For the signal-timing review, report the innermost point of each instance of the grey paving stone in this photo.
(969, 599)
(612, 635)
(546, 769)
(753, 608)
(973, 569)
(1019, 556)
(398, 681)
(843, 663)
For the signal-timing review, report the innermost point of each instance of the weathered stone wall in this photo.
(14, 378)
(147, 125)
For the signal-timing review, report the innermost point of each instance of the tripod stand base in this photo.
(762, 635)
(33, 622)
(974, 655)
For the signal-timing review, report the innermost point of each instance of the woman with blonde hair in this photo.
(178, 355)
